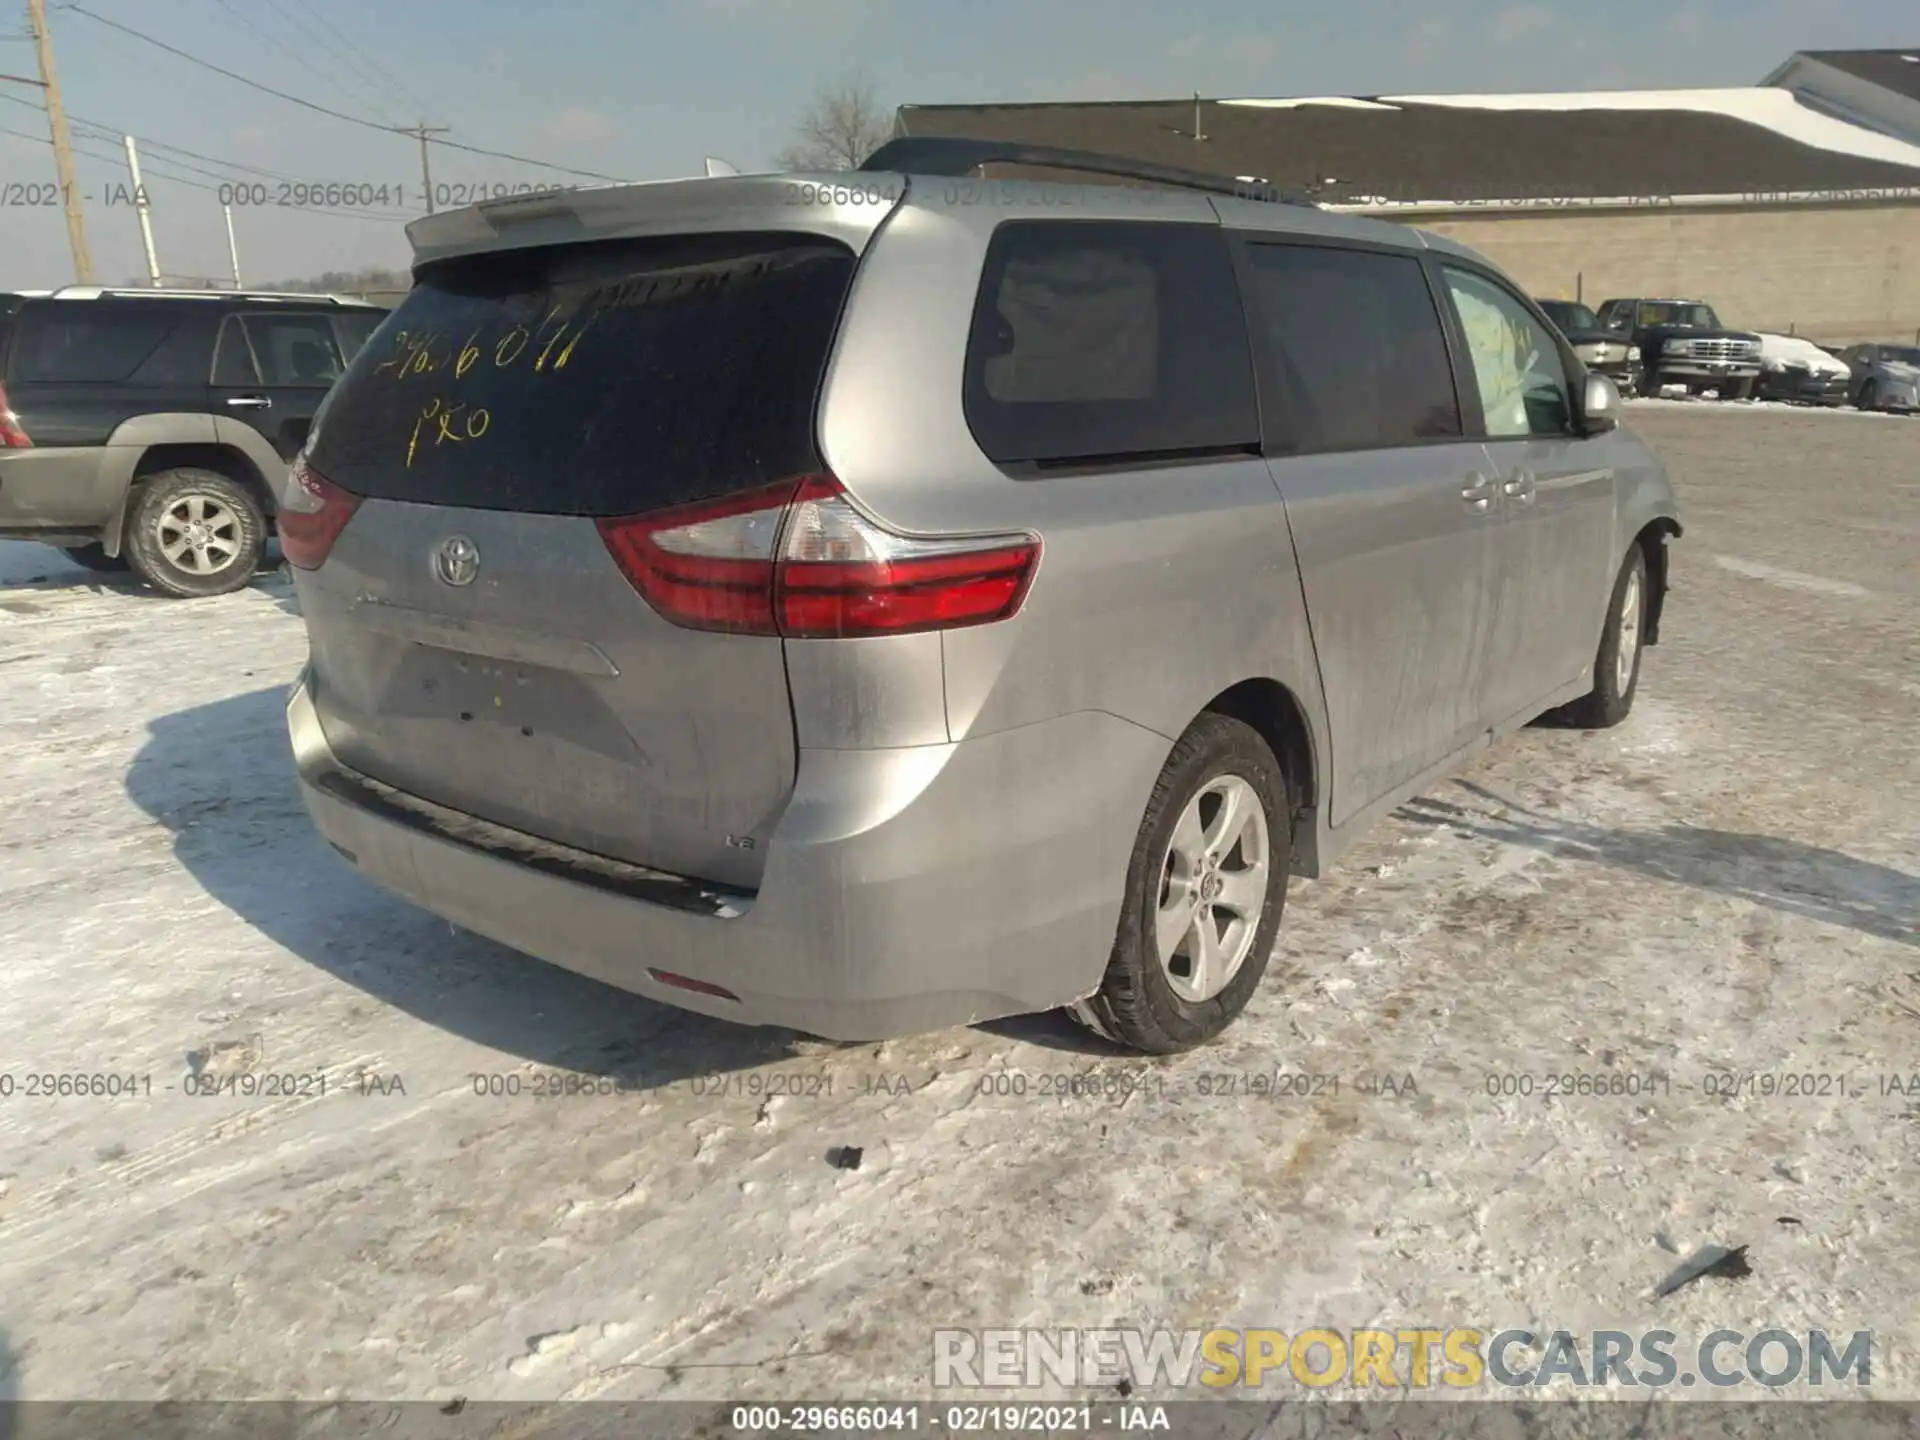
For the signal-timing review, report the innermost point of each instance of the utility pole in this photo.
(62, 144)
(423, 132)
(146, 218)
(233, 246)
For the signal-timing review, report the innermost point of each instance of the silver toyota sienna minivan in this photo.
(875, 602)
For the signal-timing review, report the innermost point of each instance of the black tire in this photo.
(1136, 1004)
(1869, 396)
(239, 537)
(1609, 701)
(1737, 390)
(95, 557)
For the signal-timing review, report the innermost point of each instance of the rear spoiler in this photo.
(845, 206)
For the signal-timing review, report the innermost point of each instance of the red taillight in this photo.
(707, 566)
(313, 512)
(12, 437)
(797, 559)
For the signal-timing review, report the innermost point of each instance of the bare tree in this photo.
(840, 129)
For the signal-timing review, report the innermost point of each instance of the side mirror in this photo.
(1599, 406)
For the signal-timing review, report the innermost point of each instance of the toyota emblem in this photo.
(457, 560)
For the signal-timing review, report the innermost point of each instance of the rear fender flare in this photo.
(244, 454)
(129, 443)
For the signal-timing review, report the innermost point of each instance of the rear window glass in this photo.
(599, 379)
(1097, 340)
(1353, 356)
(83, 342)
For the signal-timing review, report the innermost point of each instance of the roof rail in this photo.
(99, 292)
(950, 155)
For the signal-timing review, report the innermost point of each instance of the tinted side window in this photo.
(1516, 363)
(1097, 339)
(232, 360)
(184, 357)
(356, 327)
(295, 350)
(1352, 352)
(86, 342)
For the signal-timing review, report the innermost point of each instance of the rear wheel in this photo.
(194, 533)
(1616, 669)
(95, 557)
(1205, 889)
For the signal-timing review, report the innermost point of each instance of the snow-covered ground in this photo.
(1673, 398)
(1725, 885)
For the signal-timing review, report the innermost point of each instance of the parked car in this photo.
(915, 607)
(1682, 342)
(151, 429)
(1885, 377)
(1798, 370)
(1601, 350)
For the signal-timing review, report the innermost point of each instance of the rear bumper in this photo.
(58, 488)
(1807, 389)
(904, 891)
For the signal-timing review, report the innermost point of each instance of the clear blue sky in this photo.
(645, 89)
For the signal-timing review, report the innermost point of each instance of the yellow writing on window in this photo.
(451, 423)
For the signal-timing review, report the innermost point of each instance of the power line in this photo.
(230, 74)
(325, 110)
(310, 58)
(114, 132)
(527, 160)
(355, 60)
(319, 16)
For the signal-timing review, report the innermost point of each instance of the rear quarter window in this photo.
(599, 379)
(86, 342)
(1097, 341)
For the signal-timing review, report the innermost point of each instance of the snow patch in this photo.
(1795, 347)
(1294, 102)
(1767, 106)
(543, 1350)
(1298, 100)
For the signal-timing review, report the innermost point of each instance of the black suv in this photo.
(150, 428)
(1682, 342)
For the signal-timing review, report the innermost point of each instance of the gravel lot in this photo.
(1728, 884)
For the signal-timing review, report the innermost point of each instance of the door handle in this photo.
(250, 402)
(1520, 486)
(1478, 493)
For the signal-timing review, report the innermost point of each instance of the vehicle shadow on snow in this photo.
(220, 777)
(1781, 874)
